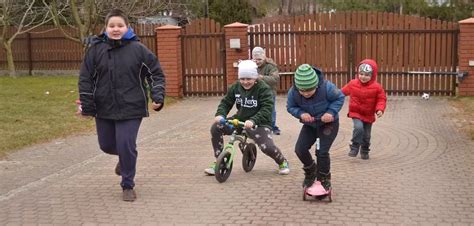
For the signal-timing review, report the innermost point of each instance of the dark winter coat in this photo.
(115, 77)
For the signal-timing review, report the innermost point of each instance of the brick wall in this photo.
(235, 31)
(466, 53)
(169, 53)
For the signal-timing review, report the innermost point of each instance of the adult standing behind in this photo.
(114, 78)
(268, 72)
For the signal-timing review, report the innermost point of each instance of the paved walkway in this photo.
(420, 171)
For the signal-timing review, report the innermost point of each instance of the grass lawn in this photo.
(35, 109)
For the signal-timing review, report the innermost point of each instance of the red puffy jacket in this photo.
(365, 98)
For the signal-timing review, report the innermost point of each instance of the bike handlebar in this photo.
(233, 122)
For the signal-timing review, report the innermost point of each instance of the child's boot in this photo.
(354, 149)
(325, 179)
(310, 174)
(364, 152)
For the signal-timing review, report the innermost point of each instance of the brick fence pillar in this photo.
(235, 31)
(466, 54)
(168, 46)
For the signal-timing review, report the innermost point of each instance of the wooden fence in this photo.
(414, 54)
(203, 64)
(47, 49)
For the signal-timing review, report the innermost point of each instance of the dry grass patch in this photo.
(465, 114)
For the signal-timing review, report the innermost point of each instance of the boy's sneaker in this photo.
(129, 195)
(364, 155)
(284, 168)
(211, 170)
(364, 152)
(354, 150)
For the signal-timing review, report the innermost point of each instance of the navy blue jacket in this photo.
(328, 98)
(115, 77)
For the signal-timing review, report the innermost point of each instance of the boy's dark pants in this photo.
(361, 134)
(119, 137)
(327, 133)
(263, 141)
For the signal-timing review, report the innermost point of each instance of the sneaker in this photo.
(364, 155)
(353, 153)
(211, 171)
(276, 131)
(129, 195)
(284, 168)
(354, 150)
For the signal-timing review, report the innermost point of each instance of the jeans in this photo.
(361, 133)
(274, 114)
(326, 133)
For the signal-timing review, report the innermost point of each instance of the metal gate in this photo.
(203, 59)
(415, 55)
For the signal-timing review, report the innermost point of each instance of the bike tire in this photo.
(222, 172)
(249, 157)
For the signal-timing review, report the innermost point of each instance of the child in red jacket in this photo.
(367, 99)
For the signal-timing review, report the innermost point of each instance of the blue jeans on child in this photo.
(274, 116)
(361, 133)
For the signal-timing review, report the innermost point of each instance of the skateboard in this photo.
(318, 192)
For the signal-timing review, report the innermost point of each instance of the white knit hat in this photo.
(248, 69)
(258, 52)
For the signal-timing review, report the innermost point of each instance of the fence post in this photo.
(235, 31)
(30, 57)
(466, 54)
(168, 48)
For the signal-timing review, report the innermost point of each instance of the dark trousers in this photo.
(361, 134)
(274, 114)
(261, 135)
(326, 133)
(119, 137)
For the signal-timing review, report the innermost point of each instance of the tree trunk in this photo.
(284, 7)
(10, 62)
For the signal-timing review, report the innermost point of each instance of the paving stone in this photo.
(419, 172)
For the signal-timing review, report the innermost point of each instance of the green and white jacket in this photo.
(255, 104)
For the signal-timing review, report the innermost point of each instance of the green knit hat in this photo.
(305, 77)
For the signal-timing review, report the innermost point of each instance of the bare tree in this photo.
(286, 7)
(82, 18)
(23, 16)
